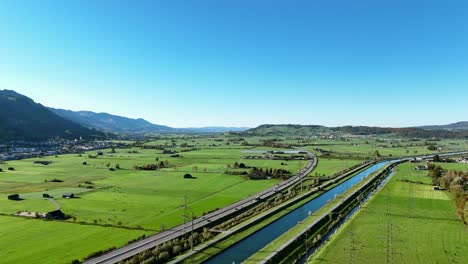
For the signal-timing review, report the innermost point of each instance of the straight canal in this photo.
(250, 245)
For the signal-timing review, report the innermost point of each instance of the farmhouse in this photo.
(56, 215)
(68, 195)
(188, 176)
(43, 162)
(14, 197)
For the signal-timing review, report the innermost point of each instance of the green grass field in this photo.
(145, 201)
(363, 148)
(330, 166)
(123, 204)
(36, 241)
(433, 233)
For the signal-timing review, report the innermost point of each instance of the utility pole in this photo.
(306, 249)
(302, 178)
(352, 246)
(185, 212)
(389, 231)
(410, 200)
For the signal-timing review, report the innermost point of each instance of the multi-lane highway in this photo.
(181, 230)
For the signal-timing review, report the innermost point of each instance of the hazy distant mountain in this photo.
(23, 119)
(119, 124)
(112, 123)
(454, 126)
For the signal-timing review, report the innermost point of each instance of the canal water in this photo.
(312, 250)
(255, 242)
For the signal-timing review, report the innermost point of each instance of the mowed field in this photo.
(35, 241)
(427, 232)
(116, 206)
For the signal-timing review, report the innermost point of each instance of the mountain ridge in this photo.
(120, 124)
(21, 118)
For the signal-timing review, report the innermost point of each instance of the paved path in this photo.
(57, 205)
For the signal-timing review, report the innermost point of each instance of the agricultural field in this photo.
(422, 225)
(123, 203)
(36, 241)
(358, 148)
(330, 166)
(118, 201)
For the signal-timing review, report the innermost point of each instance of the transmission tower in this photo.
(352, 246)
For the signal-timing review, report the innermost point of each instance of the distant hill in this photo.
(314, 130)
(287, 129)
(120, 124)
(112, 123)
(212, 129)
(454, 126)
(23, 119)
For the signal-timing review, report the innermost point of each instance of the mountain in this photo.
(23, 119)
(454, 126)
(315, 130)
(112, 123)
(118, 124)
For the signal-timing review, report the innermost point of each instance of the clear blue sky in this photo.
(242, 62)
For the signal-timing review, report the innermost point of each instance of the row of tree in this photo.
(259, 173)
(457, 183)
(162, 164)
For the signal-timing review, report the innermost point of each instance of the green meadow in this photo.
(122, 204)
(119, 205)
(422, 225)
(36, 241)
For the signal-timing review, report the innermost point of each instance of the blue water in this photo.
(255, 242)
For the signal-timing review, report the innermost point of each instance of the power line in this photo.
(185, 212)
(410, 200)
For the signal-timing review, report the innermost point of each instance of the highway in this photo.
(181, 230)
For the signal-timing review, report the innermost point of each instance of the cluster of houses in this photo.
(462, 160)
(16, 197)
(24, 150)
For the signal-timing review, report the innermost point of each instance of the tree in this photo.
(436, 174)
(377, 154)
(431, 148)
(164, 256)
(436, 158)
